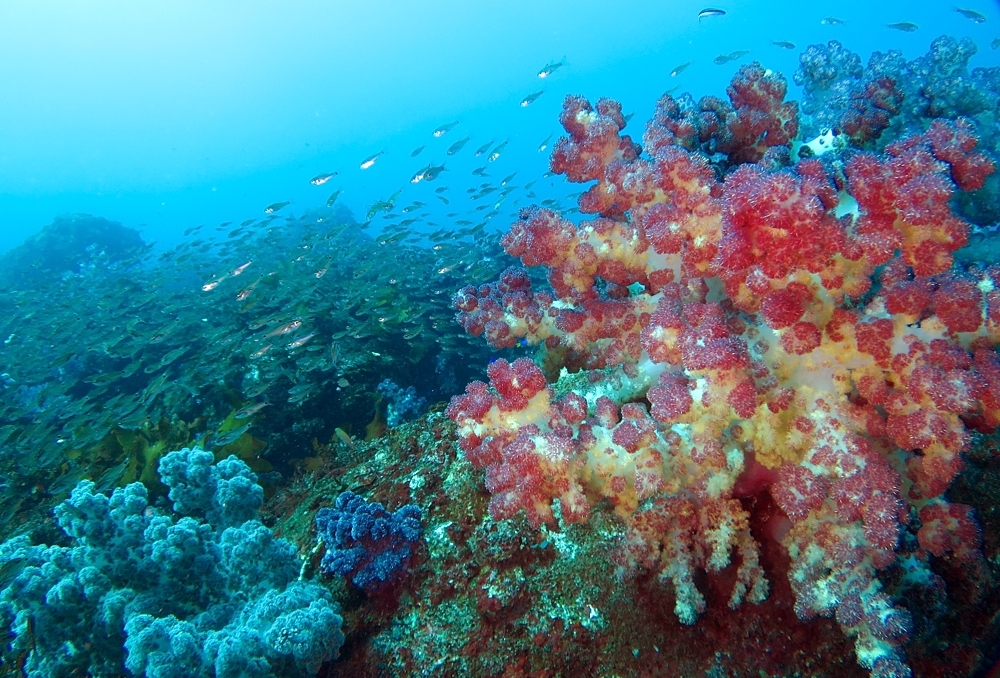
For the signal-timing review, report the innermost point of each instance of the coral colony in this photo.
(201, 590)
(740, 317)
(365, 542)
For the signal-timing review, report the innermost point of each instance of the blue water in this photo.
(167, 115)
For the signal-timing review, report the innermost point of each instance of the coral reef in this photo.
(401, 404)
(202, 590)
(365, 542)
(794, 330)
(71, 243)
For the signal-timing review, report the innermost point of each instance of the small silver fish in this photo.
(904, 26)
(680, 69)
(995, 44)
(285, 329)
(231, 436)
(496, 152)
(528, 100)
(482, 149)
(432, 172)
(444, 129)
(274, 207)
(971, 14)
(457, 146)
(419, 176)
(333, 198)
(551, 68)
(709, 12)
(784, 44)
(831, 21)
(301, 341)
(545, 144)
(370, 160)
(321, 179)
(343, 437)
(249, 410)
(212, 284)
(416, 151)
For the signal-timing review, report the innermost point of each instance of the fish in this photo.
(333, 198)
(322, 271)
(240, 269)
(545, 144)
(173, 355)
(482, 149)
(416, 151)
(710, 12)
(343, 437)
(106, 378)
(249, 410)
(285, 329)
(370, 160)
(995, 44)
(441, 189)
(260, 352)
(443, 199)
(905, 26)
(419, 176)
(343, 383)
(383, 205)
(680, 69)
(212, 284)
(231, 436)
(784, 44)
(457, 146)
(394, 239)
(444, 129)
(503, 182)
(496, 152)
(832, 21)
(551, 68)
(971, 14)
(321, 179)
(274, 207)
(628, 117)
(480, 171)
(432, 172)
(245, 292)
(301, 341)
(111, 477)
(528, 100)
(732, 56)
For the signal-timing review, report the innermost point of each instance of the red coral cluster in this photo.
(742, 311)
(872, 106)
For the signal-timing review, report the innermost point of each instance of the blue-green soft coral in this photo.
(202, 590)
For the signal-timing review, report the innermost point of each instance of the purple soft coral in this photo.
(366, 542)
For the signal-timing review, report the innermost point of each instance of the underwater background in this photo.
(508, 339)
